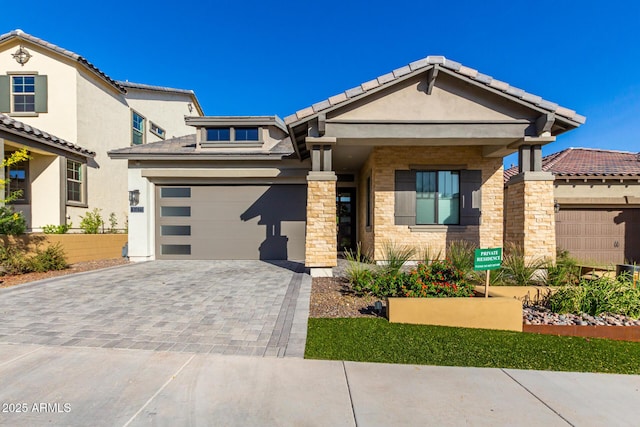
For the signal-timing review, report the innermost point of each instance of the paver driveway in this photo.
(223, 307)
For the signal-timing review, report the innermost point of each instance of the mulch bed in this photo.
(332, 297)
(12, 280)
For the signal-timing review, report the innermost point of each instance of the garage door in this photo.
(231, 222)
(605, 236)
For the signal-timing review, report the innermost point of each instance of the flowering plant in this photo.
(440, 279)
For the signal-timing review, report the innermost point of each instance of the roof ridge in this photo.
(68, 53)
(554, 158)
(604, 150)
(133, 85)
(439, 61)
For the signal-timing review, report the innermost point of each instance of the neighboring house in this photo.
(597, 203)
(47, 87)
(413, 157)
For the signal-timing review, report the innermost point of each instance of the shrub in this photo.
(113, 223)
(440, 279)
(56, 229)
(52, 258)
(14, 260)
(11, 222)
(461, 254)
(429, 255)
(91, 222)
(598, 296)
(516, 270)
(565, 272)
(396, 256)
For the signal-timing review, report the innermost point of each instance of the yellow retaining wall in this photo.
(77, 247)
(477, 312)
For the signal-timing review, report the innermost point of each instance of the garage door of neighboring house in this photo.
(231, 222)
(604, 236)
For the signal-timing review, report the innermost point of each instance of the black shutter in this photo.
(405, 198)
(470, 197)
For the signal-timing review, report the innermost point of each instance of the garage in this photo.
(600, 235)
(227, 222)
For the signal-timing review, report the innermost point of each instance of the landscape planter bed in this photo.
(532, 293)
(620, 333)
(477, 312)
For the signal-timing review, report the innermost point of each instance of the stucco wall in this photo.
(46, 175)
(382, 164)
(60, 119)
(596, 192)
(142, 224)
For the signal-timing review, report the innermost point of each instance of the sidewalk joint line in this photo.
(353, 409)
(171, 378)
(20, 357)
(534, 395)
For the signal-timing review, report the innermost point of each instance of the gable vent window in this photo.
(157, 130)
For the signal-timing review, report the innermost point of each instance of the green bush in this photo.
(14, 260)
(113, 223)
(461, 254)
(440, 279)
(52, 258)
(598, 296)
(565, 272)
(91, 222)
(11, 222)
(516, 270)
(56, 229)
(396, 256)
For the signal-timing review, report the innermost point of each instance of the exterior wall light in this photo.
(556, 206)
(134, 197)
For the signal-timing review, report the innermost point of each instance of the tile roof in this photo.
(69, 54)
(143, 86)
(587, 162)
(186, 145)
(439, 61)
(10, 125)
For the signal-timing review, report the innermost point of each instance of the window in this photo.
(24, 94)
(230, 134)
(184, 192)
(157, 130)
(438, 197)
(167, 211)
(75, 182)
(137, 131)
(246, 134)
(219, 134)
(18, 182)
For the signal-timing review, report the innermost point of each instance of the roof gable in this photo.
(438, 63)
(21, 35)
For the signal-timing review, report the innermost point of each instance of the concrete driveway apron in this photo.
(220, 307)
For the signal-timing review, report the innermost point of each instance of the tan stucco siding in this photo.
(592, 192)
(450, 100)
(383, 163)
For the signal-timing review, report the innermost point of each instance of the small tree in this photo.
(11, 222)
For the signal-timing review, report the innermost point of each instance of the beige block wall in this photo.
(381, 166)
(321, 240)
(530, 218)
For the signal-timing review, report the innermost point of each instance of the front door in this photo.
(346, 217)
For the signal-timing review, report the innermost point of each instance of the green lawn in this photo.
(376, 340)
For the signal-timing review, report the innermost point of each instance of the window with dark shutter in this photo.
(470, 197)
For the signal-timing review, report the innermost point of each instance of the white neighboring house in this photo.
(46, 90)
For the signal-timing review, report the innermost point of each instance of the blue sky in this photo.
(260, 57)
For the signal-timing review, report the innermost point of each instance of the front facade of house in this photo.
(413, 157)
(49, 88)
(596, 202)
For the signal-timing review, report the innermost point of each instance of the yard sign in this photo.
(487, 259)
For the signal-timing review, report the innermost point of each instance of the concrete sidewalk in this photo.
(122, 387)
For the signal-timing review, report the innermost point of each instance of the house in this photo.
(597, 203)
(46, 90)
(413, 156)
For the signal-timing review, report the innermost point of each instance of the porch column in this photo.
(321, 243)
(530, 215)
(2, 177)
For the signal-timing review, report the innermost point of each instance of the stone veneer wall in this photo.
(381, 166)
(321, 240)
(530, 218)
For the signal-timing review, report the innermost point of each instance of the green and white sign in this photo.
(487, 259)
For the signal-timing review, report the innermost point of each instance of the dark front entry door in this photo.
(346, 216)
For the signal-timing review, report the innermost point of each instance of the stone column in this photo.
(321, 245)
(530, 215)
